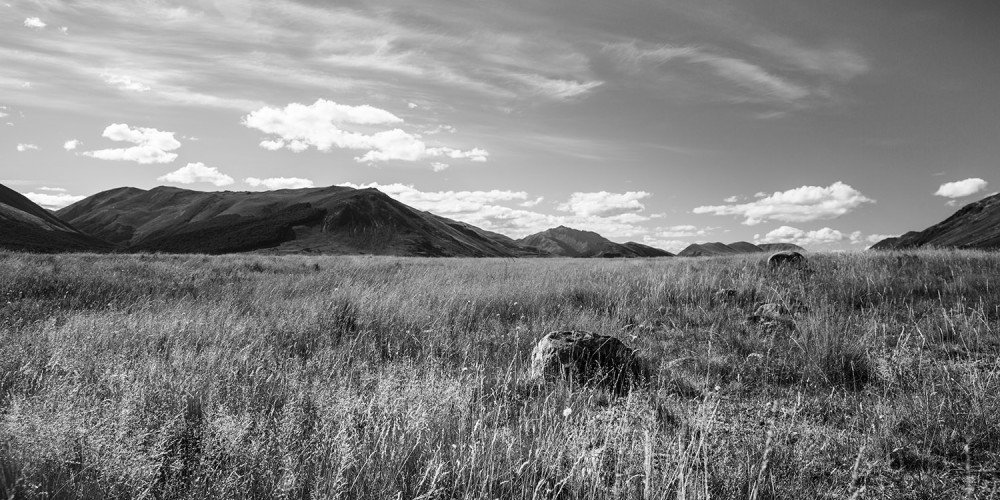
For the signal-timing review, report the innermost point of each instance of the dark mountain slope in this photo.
(322, 220)
(976, 225)
(25, 226)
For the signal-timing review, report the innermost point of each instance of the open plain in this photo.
(153, 376)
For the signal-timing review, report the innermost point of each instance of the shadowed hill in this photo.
(331, 220)
(567, 242)
(976, 225)
(740, 247)
(29, 227)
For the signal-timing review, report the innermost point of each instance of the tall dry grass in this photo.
(139, 376)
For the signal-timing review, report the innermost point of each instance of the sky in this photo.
(826, 123)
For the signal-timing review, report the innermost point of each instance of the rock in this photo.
(725, 295)
(772, 310)
(587, 359)
(786, 257)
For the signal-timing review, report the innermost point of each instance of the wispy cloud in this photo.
(757, 82)
(26, 147)
(839, 62)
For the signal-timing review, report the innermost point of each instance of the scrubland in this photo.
(149, 376)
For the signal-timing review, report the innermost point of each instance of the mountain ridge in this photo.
(974, 226)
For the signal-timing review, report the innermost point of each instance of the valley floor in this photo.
(154, 376)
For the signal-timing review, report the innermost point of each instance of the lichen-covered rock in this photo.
(588, 359)
(786, 257)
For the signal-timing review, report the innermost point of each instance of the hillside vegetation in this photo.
(146, 376)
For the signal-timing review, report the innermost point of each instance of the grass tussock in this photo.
(170, 377)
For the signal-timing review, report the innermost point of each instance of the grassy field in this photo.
(141, 376)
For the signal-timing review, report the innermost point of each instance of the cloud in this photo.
(324, 126)
(875, 238)
(26, 147)
(35, 23)
(72, 144)
(64, 30)
(682, 231)
(53, 201)
(786, 234)
(274, 183)
(122, 82)
(807, 203)
(840, 63)
(959, 189)
(747, 75)
(732, 199)
(604, 204)
(439, 167)
(151, 145)
(412, 106)
(490, 210)
(197, 172)
(555, 88)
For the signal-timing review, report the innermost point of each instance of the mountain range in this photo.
(343, 220)
(976, 225)
(710, 249)
(567, 242)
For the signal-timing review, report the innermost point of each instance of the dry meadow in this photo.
(251, 376)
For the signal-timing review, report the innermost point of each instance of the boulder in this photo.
(786, 257)
(587, 359)
(772, 310)
(724, 295)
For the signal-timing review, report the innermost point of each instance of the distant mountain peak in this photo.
(568, 242)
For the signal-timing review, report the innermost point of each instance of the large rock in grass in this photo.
(587, 359)
(786, 258)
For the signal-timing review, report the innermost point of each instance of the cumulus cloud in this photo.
(604, 204)
(532, 203)
(786, 234)
(325, 125)
(274, 183)
(732, 199)
(197, 172)
(26, 147)
(807, 203)
(875, 238)
(490, 210)
(439, 167)
(35, 23)
(959, 189)
(71, 144)
(122, 82)
(53, 201)
(151, 145)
